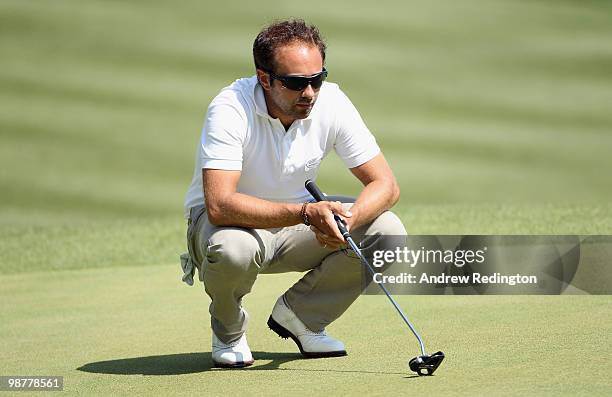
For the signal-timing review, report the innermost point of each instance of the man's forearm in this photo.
(238, 209)
(377, 197)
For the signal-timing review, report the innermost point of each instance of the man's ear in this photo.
(264, 79)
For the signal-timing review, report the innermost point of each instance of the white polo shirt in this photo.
(239, 134)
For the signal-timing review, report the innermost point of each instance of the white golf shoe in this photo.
(233, 355)
(311, 344)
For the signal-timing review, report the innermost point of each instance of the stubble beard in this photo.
(291, 109)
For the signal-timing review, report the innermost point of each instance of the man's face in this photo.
(297, 59)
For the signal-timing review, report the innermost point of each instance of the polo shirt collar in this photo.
(260, 101)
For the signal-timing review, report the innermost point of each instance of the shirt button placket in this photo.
(279, 131)
(288, 167)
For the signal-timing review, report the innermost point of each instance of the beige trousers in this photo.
(229, 259)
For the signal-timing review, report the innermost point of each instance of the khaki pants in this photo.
(229, 259)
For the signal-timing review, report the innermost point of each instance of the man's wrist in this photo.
(304, 215)
(355, 219)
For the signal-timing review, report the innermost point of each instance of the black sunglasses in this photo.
(299, 83)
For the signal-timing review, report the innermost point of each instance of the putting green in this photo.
(140, 330)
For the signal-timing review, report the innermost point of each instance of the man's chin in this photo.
(302, 112)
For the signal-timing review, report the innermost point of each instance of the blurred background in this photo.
(495, 116)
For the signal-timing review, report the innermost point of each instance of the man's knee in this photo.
(387, 224)
(233, 250)
(385, 233)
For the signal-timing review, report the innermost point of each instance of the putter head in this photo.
(426, 365)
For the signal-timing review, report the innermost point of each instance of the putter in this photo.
(424, 364)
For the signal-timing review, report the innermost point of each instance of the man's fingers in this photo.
(333, 227)
(325, 243)
(338, 209)
(326, 240)
(342, 213)
(319, 233)
(322, 218)
(328, 244)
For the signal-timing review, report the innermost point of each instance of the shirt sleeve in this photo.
(354, 142)
(222, 138)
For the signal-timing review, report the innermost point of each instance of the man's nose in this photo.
(308, 92)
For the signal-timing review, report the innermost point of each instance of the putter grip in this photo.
(314, 190)
(318, 195)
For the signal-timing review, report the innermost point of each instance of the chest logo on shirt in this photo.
(312, 163)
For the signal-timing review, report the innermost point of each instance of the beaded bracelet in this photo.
(303, 214)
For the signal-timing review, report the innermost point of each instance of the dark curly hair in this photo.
(282, 33)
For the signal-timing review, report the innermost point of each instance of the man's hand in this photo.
(380, 193)
(323, 224)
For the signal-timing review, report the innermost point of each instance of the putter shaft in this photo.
(357, 251)
(318, 195)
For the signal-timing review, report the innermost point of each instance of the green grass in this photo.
(494, 116)
(134, 329)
